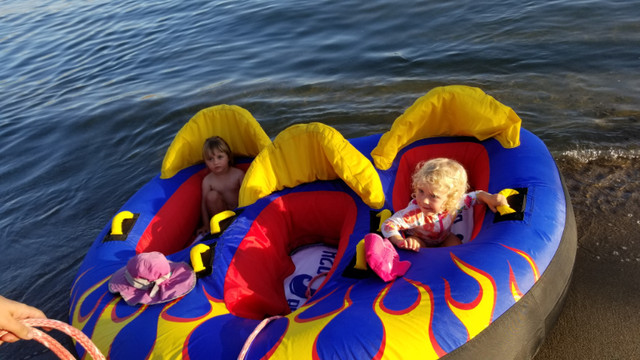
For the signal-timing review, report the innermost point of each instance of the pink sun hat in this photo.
(149, 278)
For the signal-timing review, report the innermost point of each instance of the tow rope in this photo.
(53, 345)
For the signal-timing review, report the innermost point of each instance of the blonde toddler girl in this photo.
(439, 194)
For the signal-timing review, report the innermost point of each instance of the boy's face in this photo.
(217, 161)
(430, 200)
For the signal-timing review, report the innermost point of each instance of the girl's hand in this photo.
(409, 243)
(492, 200)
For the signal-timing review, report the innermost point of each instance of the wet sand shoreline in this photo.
(601, 317)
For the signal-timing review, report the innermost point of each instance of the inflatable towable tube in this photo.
(494, 296)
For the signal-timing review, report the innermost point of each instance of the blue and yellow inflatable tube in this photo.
(494, 296)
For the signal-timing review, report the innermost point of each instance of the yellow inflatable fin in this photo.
(234, 124)
(455, 110)
(308, 152)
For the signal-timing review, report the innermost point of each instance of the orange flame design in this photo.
(79, 321)
(171, 342)
(419, 343)
(532, 263)
(108, 324)
(476, 315)
(513, 284)
(301, 336)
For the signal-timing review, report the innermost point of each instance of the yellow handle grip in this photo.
(196, 257)
(504, 209)
(116, 223)
(361, 259)
(508, 192)
(214, 224)
(383, 215)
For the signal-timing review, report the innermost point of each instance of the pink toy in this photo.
(383, 258)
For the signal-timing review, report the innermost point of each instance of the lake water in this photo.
(93, 91)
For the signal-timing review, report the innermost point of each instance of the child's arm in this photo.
(240, 179)
(204, 229)
(392, 227)
(491, 200)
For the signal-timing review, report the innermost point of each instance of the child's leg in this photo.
(451, 240)
(215, 203)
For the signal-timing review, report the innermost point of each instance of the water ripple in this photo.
(93, 91)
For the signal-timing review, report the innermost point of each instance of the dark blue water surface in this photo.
(93, 91)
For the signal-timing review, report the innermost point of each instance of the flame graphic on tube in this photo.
(532, 263)
(513, 284)
(108, 324)
(171, 342)
(301, 336)
(79, 320)
(476, 315)
(419, 343)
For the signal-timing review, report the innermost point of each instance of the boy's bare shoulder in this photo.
(236, 173)
(209, 178)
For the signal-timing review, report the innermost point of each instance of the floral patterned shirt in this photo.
(431, 229)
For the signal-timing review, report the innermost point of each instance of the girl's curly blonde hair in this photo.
(445, 176)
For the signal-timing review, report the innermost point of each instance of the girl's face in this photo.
(217, 161)
(429, 200)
